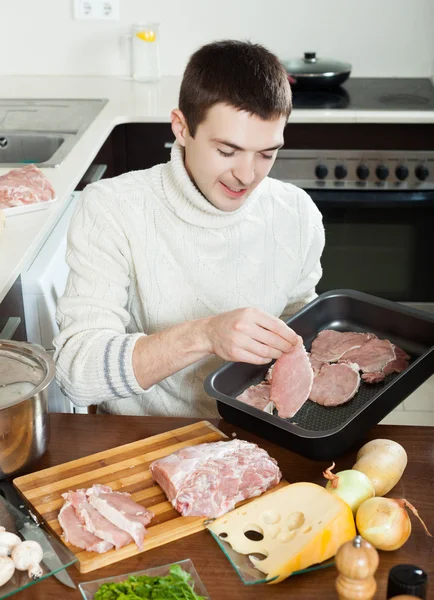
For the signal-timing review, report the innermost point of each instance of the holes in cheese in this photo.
(254, 532)
(295, 520)
(308, 526)
(270, 517)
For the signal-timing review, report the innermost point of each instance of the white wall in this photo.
(379, 37)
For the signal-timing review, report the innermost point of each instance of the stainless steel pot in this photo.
(311, 72)
(26, 370)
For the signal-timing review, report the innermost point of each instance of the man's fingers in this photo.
(273, 340)
(278, 327)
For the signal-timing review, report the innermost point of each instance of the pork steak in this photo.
(330, 345)
(335, 384)
(209, 479)
(291, 380)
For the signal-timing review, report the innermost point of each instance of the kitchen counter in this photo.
(128, 102)
(75, 436)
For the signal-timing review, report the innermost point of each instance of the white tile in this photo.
(422, 398)
(413, 417)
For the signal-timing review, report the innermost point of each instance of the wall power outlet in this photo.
(96, 10)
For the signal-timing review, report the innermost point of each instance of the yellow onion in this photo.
(354, 487)
(384, 522)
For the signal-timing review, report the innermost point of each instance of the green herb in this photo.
(174, 586)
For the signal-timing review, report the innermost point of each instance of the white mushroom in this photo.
(27, 557)
(8, 541)
(7, 569)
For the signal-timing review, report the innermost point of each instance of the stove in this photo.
(373, 181)
(370, 94)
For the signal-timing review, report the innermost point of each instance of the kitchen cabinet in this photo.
(147, 144)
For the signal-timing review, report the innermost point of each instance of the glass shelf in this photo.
(56, 555)
(247, 572)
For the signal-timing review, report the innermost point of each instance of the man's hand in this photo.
(248, 335)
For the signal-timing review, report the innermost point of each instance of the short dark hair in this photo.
(241, 74)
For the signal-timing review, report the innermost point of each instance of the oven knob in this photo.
(382, 172)
(401, 172)
(321, 171)
(362, 172)
(340, 171)
(422, 172)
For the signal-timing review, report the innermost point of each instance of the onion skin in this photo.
(383, 461)
(353, 487)
(383, 523)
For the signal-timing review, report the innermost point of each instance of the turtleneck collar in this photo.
(190, 204)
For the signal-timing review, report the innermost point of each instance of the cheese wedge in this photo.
(300, 525)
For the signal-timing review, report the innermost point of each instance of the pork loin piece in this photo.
(26, 185)
(258, 396)
(121, 510)
(209, 479)
(95, 522)
(76, 534)
(330, 345)
(335, 384)
(291, 381)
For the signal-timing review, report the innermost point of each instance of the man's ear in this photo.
(179, 126)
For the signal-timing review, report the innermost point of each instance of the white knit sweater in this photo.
(147, 251)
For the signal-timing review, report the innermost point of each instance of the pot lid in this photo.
(310, 65)
(25, 370)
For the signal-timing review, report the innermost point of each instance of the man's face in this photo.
(231, 154)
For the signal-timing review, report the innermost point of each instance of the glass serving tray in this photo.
(56, 555)
(88, 589)
(247, 572)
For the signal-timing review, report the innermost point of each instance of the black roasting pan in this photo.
(319, 432)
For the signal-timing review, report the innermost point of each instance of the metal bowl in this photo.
(26, 370)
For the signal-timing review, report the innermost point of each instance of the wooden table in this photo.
(75, 436)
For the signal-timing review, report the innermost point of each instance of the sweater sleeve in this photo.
(312, 242)
(93, 352)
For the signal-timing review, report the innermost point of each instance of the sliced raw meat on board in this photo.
(258, 396)
(95, 522)
(396, 365)
(209, 479)
(76, 534)
(26, 185)
(330, 345)
(291, 381)
(121, 510)
(335, 384)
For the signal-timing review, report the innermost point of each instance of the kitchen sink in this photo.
(43, 132)
(18, 148)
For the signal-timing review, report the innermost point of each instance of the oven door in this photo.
(379, 242)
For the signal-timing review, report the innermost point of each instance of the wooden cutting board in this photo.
(125, 469)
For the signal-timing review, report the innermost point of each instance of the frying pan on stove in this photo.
(311, 72)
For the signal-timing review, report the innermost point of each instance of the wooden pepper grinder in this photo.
(356, 562)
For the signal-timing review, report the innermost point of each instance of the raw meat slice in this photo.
(258, 396)
(120, 510)
(292, 381)
(396, 365)
(209, 479)
(26, 185)
(335, 384)
(315, 364)
(372, 356)
(330, 345)
(76, 534)
(95, 522)
(399, 364)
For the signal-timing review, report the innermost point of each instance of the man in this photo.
(178, 267)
